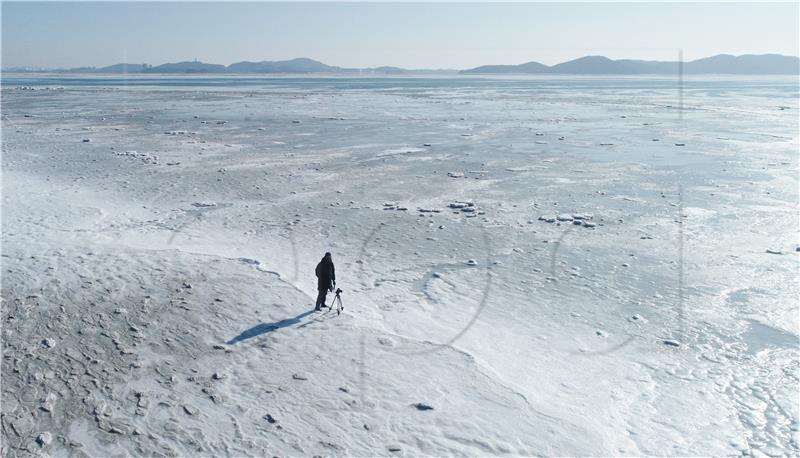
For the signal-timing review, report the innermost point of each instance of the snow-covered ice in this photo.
(539, 278)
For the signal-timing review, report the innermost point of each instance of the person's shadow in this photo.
(265, 328)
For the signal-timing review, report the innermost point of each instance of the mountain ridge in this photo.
(746, 64)
(727, 64)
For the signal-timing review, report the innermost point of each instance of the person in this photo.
(326, 279)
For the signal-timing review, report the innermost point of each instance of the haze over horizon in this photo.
(410, 35)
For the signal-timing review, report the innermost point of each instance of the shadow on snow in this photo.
(265, 328)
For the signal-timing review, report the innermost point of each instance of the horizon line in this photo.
(195, 60)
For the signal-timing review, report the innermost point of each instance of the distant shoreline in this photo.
(541, 76)
(722, 64)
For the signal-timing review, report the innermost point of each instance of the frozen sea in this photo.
(570, 266)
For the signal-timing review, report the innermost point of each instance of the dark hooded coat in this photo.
(326, 274)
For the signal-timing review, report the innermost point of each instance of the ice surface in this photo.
(158, 280)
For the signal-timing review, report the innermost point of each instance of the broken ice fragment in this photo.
(421, 406)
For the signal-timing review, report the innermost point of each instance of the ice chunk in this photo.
(44, 439)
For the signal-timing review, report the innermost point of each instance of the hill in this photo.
(124, 68)
(748, 64)
(187, 67)
(530, 67)
(723, 64)
(299, 65)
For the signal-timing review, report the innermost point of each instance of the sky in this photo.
(410, 35)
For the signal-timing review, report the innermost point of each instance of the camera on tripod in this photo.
(337, 302)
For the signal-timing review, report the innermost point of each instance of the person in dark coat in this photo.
(326, 279)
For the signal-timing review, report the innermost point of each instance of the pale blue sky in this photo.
(411, 35)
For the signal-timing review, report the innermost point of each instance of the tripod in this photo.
(337, 301)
